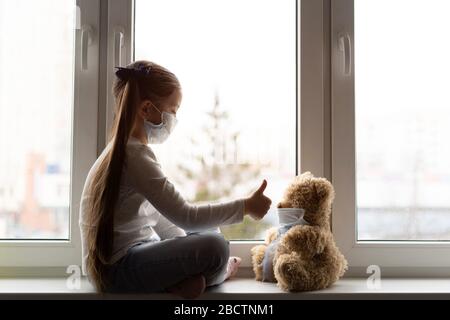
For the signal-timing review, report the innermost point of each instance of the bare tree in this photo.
(217, 171)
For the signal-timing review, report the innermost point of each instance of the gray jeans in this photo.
(154, 266)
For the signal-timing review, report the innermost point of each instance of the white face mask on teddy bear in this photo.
(289, 215)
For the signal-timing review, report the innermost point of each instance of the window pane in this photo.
(402, 119)
(236, 64)
(36, 94)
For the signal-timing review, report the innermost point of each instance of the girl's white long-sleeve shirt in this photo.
(149, 207)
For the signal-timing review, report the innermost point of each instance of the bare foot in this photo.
(232, 268)
(189, 288)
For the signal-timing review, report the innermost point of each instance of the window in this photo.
(48, 103)
(403, 176)
(236, 61)
(36, 118)
(371, 116)
(390, 113)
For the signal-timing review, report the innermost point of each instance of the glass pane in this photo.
(402, 119)
(236, 64)
(36, 94)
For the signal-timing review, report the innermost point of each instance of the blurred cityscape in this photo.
(41, 211)
(403, 174)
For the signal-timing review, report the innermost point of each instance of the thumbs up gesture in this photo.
(258, 204)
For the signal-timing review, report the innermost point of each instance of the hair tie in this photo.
(140, 70)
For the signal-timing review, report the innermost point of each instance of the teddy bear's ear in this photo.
(307, 174)
(323, 188)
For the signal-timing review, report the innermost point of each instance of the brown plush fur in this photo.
(307, 257)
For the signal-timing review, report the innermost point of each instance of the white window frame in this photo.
(120, 51)
(326, 138)
(37, 257)
(399, 258)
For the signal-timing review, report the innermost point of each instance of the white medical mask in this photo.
(158, 133)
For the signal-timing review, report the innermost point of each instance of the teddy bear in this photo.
(302, 255)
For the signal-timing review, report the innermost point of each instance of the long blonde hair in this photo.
(129, 90)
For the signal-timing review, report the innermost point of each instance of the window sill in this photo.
(243, 287)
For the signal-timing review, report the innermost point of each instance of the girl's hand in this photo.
(257, 204)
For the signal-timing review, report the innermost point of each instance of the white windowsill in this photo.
(241, 288)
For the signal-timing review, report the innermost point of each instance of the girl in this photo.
(133, 220)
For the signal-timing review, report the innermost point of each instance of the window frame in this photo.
(37, 257)
(325, 140)
(395, 258)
